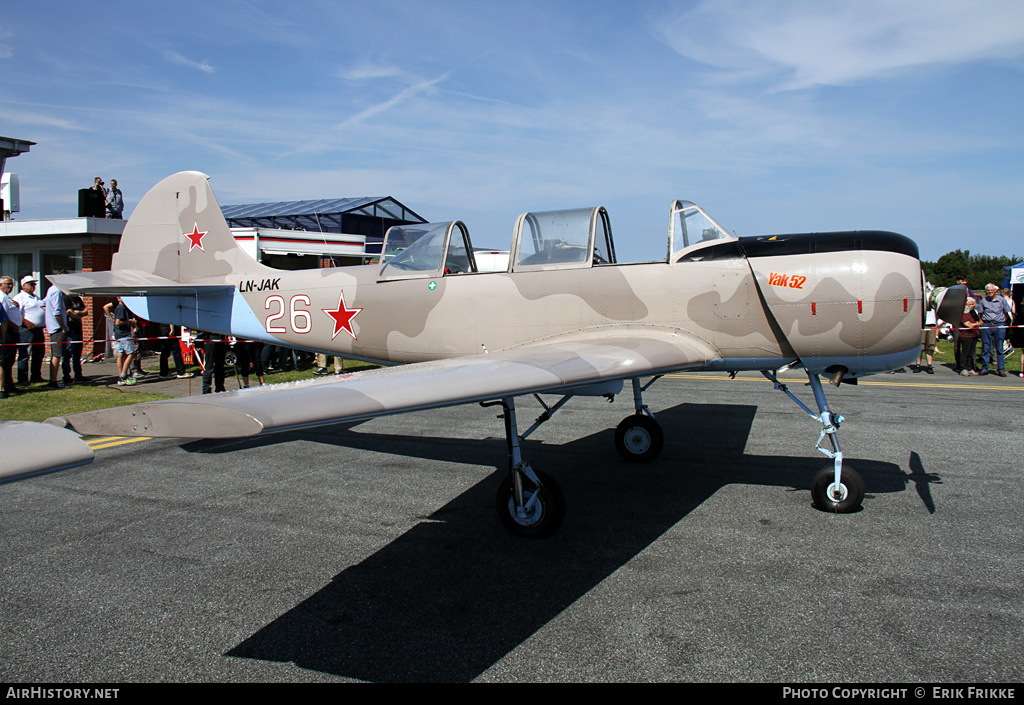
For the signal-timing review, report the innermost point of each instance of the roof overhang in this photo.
(12, 147)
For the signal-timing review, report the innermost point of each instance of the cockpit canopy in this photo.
(564, 239)
(426, 250)
(691, 226)
(561, 239)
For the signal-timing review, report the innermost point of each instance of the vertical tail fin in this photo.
(177, 232)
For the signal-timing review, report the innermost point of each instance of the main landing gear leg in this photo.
(529, 502)
(639, 438)
(836, 488)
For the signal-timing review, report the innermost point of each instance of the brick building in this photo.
(40, 247)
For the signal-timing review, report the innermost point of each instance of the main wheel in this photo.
(542, 517)
(639, 438)
(842, 498)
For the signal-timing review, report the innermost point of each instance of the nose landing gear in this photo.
(836, 488)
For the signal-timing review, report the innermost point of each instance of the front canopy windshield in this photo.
(420, 249)
(692, 226)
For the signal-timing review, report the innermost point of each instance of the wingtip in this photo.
(32, 448)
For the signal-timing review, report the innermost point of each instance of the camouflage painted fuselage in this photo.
(850, 300)
(829, 308)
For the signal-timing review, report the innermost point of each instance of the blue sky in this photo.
(781, 116)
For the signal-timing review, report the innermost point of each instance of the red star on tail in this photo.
(342, 316)
(195, 238)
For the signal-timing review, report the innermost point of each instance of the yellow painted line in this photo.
(867, 384)
(104, 440)
(99, 443)
(943, 386)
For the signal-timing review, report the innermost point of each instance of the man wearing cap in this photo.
(32, 321)
(995, 315)
(9, 331)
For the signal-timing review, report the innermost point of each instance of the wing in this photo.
(553, 366)
(35, 448)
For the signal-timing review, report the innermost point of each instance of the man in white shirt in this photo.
(11, 327)
(57, 326)
(32, 340)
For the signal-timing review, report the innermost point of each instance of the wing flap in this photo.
(555, 366)
(170, 419)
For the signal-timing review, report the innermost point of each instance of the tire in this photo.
(852, 486)
(230, 360)
(639, 438)
(546, 515)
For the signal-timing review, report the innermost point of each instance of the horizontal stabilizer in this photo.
(37, 448)
(126, 282)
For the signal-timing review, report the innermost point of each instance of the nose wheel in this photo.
(840, 497)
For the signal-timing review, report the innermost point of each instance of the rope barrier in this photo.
(114, 340)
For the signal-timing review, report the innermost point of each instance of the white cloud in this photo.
(397, 99)
(38, 119)
(326, 142)
(176, 58)
(809, 42)
(367, 71)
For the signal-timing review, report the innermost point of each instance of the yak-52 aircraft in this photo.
(564, 318)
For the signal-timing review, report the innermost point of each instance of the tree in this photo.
(980, 269)
(948, 268)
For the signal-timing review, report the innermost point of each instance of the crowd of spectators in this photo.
(23, 318)
(986, 319)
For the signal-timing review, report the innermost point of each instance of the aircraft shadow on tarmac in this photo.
(455, 594)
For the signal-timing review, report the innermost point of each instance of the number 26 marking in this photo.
(300, 318)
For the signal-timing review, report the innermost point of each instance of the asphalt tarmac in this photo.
(373, 551)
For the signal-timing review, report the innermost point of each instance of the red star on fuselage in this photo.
(195, 238)
(342, 316)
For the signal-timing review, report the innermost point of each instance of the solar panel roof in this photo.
(320, 214)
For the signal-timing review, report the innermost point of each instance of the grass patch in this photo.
(38, 402)
(944, 355)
